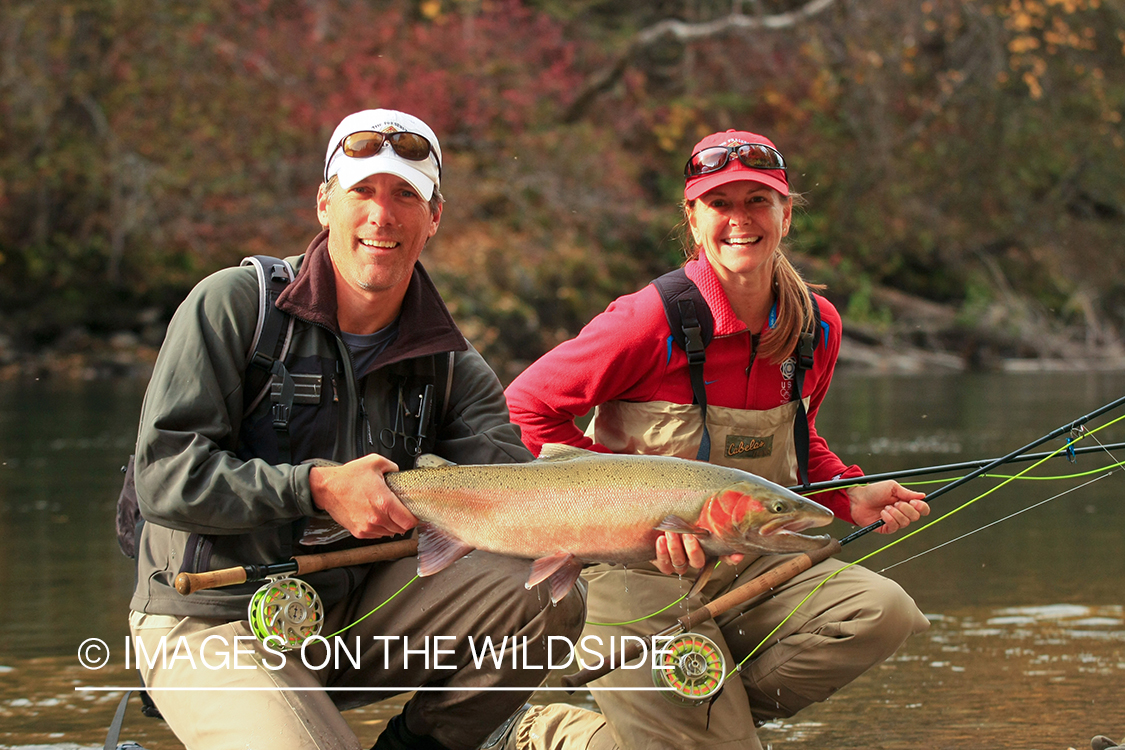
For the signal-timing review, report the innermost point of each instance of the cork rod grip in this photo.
(187, 583)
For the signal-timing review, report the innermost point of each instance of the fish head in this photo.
(763, 518)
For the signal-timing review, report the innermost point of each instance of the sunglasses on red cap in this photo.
(367, 143)
(714, 158)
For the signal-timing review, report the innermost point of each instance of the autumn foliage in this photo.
(967, 151)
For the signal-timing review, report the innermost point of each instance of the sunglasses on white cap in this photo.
(367, 143)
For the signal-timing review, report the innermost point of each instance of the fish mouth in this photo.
(793, 526)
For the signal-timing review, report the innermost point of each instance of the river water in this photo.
(1026, 647)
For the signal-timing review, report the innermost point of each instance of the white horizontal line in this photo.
(118, 689)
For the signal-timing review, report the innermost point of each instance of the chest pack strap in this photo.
(272, 336)
(692, 326)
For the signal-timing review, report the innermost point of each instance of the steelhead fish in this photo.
(572, 506)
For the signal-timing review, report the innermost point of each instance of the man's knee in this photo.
(565, 617)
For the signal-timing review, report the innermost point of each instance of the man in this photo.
(371, 344)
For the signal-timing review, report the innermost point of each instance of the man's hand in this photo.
(675, 553)
(888, 500)
(356, 495)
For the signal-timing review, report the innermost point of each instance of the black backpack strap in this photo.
(806, 346)
(265, 360)
(692, 327)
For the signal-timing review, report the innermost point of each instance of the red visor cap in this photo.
(734, 169)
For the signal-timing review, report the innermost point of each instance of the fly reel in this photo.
(693, 666)
(287, 611)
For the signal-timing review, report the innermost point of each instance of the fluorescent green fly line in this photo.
(377, 608)
(639, 619)
(919, 530)
(645, 617)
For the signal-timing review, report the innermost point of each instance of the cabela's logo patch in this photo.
(746, 446)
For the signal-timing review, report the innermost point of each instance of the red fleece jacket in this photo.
(626, 353)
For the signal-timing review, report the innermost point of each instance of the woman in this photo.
(737, 209)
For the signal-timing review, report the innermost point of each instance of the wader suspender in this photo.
(693, 326)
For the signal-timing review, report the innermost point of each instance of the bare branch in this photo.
(684, 32)
(690, 32)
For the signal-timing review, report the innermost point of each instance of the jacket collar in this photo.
(425, 325)
(726, 322)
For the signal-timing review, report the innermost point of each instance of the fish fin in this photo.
(562, 452)
(563, 579)
(437, 550)
(703, 577)
(429, 460)
(677, 525)
(545, 567)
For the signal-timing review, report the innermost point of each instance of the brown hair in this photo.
(793, 293)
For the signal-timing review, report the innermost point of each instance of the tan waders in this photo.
(855, 621)
(480, 595)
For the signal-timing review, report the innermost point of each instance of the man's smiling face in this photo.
(377, 229)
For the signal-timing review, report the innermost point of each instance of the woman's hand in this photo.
(889, 501)
(676, 553)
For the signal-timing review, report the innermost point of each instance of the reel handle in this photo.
(187, 583)
(744, 593)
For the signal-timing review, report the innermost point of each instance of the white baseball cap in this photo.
(424, 175)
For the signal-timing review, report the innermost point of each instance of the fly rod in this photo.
(962, 466)
(799, 564)
(187, 583)
(1057, 432)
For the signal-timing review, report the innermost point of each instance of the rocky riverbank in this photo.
(917, 336)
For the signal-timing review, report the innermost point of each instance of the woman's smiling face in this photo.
(739, 226)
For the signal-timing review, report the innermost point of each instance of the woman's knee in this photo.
(891, 613)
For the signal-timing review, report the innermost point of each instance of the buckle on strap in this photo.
(282, 409)
(693, 345)
(262, 361)
(280, 414)
(806, 344)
